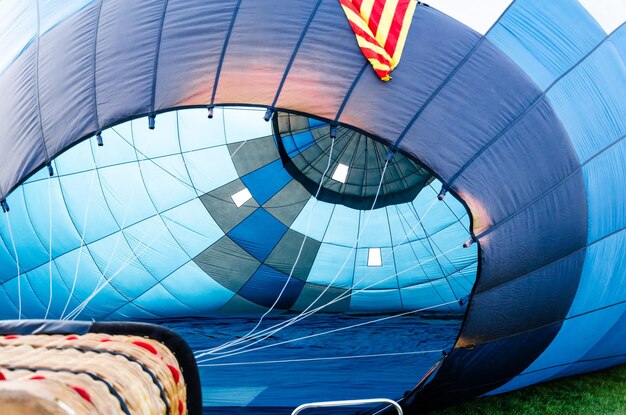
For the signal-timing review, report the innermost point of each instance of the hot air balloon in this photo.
(217, 161)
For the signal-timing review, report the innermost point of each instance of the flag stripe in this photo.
(381, 28)
(395, 27)
(406, 25)
(366, 10)
(377, 12)
(386, 23)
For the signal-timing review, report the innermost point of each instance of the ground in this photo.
(600, 393)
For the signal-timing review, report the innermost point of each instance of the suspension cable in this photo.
(17, 263)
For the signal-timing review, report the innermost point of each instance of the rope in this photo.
(310, 336)
(311, 312)
(315, 359)
(308, 228)
(17, 263)
(117, 242)
(49, 247)
(270, 331)
(345, 262)
(74, 314)
(82, 243)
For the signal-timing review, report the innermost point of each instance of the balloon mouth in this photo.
(234, 215)
(355, 169)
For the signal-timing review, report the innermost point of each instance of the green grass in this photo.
(601, 393)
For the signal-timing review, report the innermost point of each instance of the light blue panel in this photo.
(64, 235)
(167, 173)
(155, 248)
(567, 31)
(18, 27)
(132, 312)
(196, 131)
(448, 245)
(8, 267)
(161, 302)
(196, 289)
(433, 219)
(39, 279)
(343, 228)
(117, 147)
(453, 205)
(333, 263)
(245, 124)
(210, 168)
(32, 305)
(126, 194)
(429, 294)
(603, 280)
(119, 265)
(162, 141)
(415, 264)
(41, 174)
(105, 302)
(605, 177)
(576, 337)
(79, 266)
(403, 225)
(7, 308)
(313, 219)
(31, 252)
(193, 227)
(374, 229)
(79, 159)
(84, 199)
(375, 278)
(618, 38)
(376, 301)
(462, 281)
(590, 101)
(52, 12)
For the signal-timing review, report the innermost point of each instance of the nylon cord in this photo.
(17, 262)
(306, 233)
(49, 247)
(82, 244)
(267, 346)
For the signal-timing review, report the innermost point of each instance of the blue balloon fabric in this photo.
(523, 128)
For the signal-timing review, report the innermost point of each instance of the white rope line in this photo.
(17, 262)
(49, 247)
(82, 243)
(126, 263)
(330, 283)
(118, 237)
(310, 336)
(201, 353)
(280, 326)
(305, 236)
(315, 359)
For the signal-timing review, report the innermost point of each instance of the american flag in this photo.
(381, 27)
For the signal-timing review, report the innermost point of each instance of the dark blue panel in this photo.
(267, 181)
(265, 285)
(258, 234)
(472, 371)
(512, 307)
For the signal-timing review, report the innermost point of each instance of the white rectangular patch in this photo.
(341, 173)
(241, 197)
(374, 258)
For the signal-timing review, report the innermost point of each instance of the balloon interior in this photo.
(315, 217)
